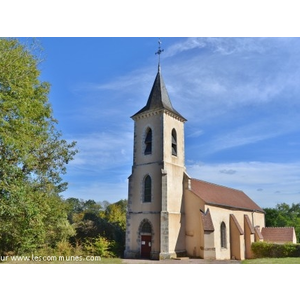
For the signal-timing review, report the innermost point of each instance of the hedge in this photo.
(264, 249)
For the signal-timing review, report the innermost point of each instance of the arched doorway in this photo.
(146, 239)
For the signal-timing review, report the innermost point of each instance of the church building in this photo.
(171, 214)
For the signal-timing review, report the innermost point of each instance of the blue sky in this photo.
(239, 95)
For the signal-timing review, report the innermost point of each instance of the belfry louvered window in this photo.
(174, 142)
(223, 236)
(148, 142)
(147, 189)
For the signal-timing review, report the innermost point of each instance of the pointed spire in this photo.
(159, 97)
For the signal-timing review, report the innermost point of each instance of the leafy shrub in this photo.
(99, 246)
(64, 248)
(264, 249)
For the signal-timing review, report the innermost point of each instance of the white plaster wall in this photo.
(137, 192)
(194, 230)
(220, 215)
(155, 122)
(175, 168)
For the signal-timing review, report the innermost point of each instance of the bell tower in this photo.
(155, 217)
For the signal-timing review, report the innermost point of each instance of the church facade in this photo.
(170, 214)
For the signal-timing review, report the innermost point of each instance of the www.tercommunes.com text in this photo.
(49, 258)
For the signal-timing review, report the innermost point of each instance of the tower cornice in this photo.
(155, 112)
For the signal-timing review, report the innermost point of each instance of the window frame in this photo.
(148, 141)
(147, 189)
(223, 235)
(146, 227)
(174, 142)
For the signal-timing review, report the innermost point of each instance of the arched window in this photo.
(223, 236)
(147, 189)
(174, 142)
(148, 142)
(146, 228)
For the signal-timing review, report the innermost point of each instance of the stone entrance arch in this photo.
(145, 233)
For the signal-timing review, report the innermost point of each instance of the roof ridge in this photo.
(279, 227)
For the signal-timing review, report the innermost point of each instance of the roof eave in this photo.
(234, 207)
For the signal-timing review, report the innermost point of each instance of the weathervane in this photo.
(159, 52)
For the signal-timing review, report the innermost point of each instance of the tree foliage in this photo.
(98, 224)
(33, 156)
(116, 213)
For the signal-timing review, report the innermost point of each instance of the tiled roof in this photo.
(207, 221)
(159, 98)
(218, 195)
(278, 234)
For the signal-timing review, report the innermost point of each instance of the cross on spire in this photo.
(159, 52)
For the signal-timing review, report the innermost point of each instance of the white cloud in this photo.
(127, 82)
(266, 183)
(224, 46)
(102, 166)
(228, 171)
(103, 150)
(239, 129)
(257, 72)
(195, 133)
(236, 137)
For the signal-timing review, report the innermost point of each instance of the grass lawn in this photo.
(285, 260)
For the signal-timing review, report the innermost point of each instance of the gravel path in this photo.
(180, 261)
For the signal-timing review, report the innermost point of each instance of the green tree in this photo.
(116, 213)
(74, 207)
(92, 206)
(92, 222)
(33, 156)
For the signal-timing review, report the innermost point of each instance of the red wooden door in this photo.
(145, 246)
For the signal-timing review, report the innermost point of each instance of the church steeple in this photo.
(159, 98)
(154, 217)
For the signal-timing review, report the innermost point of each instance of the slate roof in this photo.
(159, 98)
(278, 234)
(218, 195)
